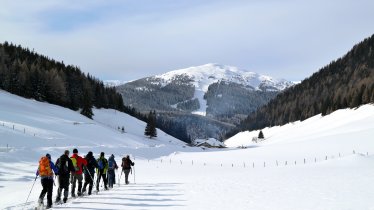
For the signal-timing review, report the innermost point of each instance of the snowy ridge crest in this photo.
(205, 75)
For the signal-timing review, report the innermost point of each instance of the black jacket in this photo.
(91, 164)
(64, 165)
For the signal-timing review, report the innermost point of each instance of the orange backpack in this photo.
(45, 167)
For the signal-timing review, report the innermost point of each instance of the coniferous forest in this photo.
(30, 75)
(345, 83)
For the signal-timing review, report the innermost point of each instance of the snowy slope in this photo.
(203, 76)
(58, 127)
(268, 175)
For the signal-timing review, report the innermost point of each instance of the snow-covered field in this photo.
(271, 174)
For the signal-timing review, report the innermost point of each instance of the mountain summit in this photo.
(205, 75)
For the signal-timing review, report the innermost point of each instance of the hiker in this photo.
(102, 162)
(89, 172)
(78, 163)
(45, 170)
(126, 167)
(112, 165)
(65, 166)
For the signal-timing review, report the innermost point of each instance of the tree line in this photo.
(30, 75)
(347, 82)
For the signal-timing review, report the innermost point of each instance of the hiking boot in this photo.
(73, 195)
(48, 207)
(65, 199)
(58, 200)
(40, 201)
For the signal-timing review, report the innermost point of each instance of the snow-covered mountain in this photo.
(201, 77)
(205, 75)
(225, 94)
(114, 83)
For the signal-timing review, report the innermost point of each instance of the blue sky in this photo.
(126, 40)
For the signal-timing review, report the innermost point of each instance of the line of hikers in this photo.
(71, 170)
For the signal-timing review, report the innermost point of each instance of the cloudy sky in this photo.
(130, 39)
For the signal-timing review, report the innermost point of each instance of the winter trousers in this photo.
(111, 178)
(47, 184)
(99, 176)
(127, 171)
(63, 181)
(88, 181)
(74, 179)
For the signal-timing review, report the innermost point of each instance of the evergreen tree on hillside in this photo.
(150, 129)
(30, 75)
(344, 83)
(87, 105)
(261, 135)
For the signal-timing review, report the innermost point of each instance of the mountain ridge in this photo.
(215, 91)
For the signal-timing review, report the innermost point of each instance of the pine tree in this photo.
(261, 135)
(87, 105)
(150, 129)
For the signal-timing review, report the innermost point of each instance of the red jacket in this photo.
(80, 162)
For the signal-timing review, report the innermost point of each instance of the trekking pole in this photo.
(134, 170)
(31, 190)
(93, 181)
(134, 174)
(119, 178)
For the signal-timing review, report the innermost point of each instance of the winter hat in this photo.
(48, 156)
(102, 154)
(66, 152)
(89, 154)
(112, 156)
(75, 150)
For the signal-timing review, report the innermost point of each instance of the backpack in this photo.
(126, 163)
(111, 164)
(100, 163)
(45, 167)
(74, 160)
(62, 165)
